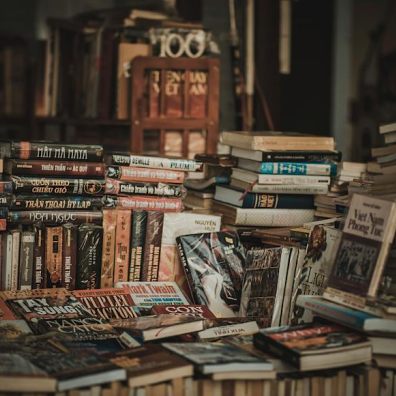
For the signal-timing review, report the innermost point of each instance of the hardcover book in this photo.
(177, 224)
(26, 261)
(52, 217)
(108, 303)
(323, 243)
(31, 202)
(367, 236)
(118, 187)
(145, 175)
(210, 358)
(147, 294)
(139, 223)
(53, 256)
(214, 266)
(315, 346)
(135, 202)
(69, 256)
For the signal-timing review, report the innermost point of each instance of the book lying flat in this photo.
(315, 346)
(210, 358)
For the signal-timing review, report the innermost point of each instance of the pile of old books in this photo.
(276, 178)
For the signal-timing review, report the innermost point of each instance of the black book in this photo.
(138, 236)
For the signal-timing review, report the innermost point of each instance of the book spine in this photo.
(74, 152)
(3, 237)
(69, 256)
(108, 247)
(278, 201)
(55, 168)
(57, 186)
(302, 157)
(145, 175)
(292, 180)
(39, 267)
(6, 187)
(53, 256)
(290, 189)
(8, 262)
(3, 213)
(118, 187)
(297, 168)
(26, 260)
(123, 236)
(89, 256)
(5, 199)
(3, 224)
(152, 246)
(159, 204)
(139, 222)
(16, 242)
(31, 202)
(54, 217)
(156, 162)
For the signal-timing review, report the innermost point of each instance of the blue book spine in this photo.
(298, 168)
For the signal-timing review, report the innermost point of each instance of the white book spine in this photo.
(16, 239)
(8, 264)
(292, 179)
(274, 217)
(164, 163)
(291, 189)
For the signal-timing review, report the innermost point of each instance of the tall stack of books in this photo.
(139, 190)
(276, 178)
(54, 218)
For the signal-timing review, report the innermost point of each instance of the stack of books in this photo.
(54, 218)
(276, 178)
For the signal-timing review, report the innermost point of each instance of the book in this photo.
(6, 187)
(25, 277)
(387, 128)
(5, 313)
(152, 247)
(243, 199)
(383, 345)
(15, 259)
(321, 251)
(356, 319)
(58, 186)
(118, 187)
(289, 168)
(277, 141)
(220, 328)
(69, 256)
(52, 217)
(147, 294)
(137, 202)
(89, 256)
(107, 303)
(315, 346)
(211, 358)
(122, 245)
(390, 137)
(289, 156)
(31, 202)
(139, 223)
(145, 175)
(367, 235)
(263, 217)
(142, 161)
(14, 329)
(213, 263)
(177, 224)
(108, 248)
(6, 270)
(54, 168)
(156, 327)
(319, 188)
(53, 256)
(53, 151)
(150, 364)
(200, 311)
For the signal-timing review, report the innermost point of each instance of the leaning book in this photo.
(367, 236)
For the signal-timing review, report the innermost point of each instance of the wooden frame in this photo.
(140, 122)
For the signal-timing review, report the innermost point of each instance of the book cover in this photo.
(118, 187)
(69, 256)
(142, 161)
(57, 151)
(260, 284)
(58, 186)
(89, 256)
(5, 313)
(31, 202)
(214, 263)
(108, 248)
(177, 224)
(26, 260)
(147, 294)
(122, 245)
(139, 222)
(148, 203)
(54, 217)
(108, 303)
(145, 175)
(53, 256)
(152, 247)
(200, 311)
(321, 251)
(39, 265)
(11, 330)
(367, 235)
(54, 168)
